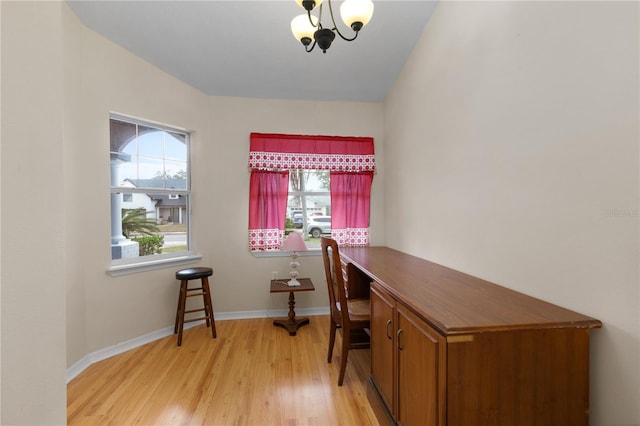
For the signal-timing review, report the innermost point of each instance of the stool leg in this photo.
(175, 327)
(205, 300)
(208, 305)
(181, 309)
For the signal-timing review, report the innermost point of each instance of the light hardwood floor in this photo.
(252, 374)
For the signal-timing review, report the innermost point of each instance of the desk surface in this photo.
(455, 302)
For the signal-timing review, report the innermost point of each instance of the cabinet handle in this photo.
(388, 324)
(398, 337)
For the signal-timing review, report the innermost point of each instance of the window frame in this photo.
(150, 262)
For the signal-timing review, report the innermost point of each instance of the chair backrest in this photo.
(335, 279)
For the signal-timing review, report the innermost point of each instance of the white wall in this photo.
(511, 153)
(33, 243)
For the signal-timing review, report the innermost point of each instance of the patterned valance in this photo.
(270, 151)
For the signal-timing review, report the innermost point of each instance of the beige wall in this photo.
(120, 308)
(0, 214)
(33, 243)
(511, 153)
(65, 80)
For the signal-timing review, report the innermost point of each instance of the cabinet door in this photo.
(421, 372)
(382, 344)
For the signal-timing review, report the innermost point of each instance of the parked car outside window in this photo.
(296, 218)
(319, 225)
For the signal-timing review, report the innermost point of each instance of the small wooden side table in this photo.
(291, 323)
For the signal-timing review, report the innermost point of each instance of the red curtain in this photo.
(350, 160)
(350, 199)
(268, 193)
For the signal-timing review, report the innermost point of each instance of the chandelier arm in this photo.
(335, 27)
(343, 37)
(312, 46)
(311, 21)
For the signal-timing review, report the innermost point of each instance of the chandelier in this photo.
(308, 28)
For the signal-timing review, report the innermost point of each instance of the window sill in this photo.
(150, 265)
(315, 251)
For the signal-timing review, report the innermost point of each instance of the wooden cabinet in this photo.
(451, 349)
(400, 342)
(383, 345)
(421, 391)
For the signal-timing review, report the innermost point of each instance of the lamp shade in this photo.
(356, 11)
(294, 242)
(302, 28)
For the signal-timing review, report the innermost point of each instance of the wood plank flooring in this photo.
(252, 374)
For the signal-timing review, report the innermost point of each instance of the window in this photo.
(308, 196)
(316, 185)
(150, 173)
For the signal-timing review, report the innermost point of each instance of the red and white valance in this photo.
(270, 151)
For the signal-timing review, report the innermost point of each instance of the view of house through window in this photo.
(150, 190)
(309, 205)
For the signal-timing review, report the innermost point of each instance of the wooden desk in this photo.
(448, 348)
(291, 323)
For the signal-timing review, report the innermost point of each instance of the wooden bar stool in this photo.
(184, 276)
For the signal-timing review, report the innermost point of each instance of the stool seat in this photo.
(193, 273)
(184, 276)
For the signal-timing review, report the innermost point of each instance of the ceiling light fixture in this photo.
(308, 28)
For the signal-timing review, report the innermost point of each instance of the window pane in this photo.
(176, 174)
(309, 204)
(309, 181)
(175, 146)
(318, 181)
(151, 172)
(126, 170)
(123, 137)
(154, 226)
(150, 142)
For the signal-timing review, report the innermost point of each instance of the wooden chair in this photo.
(352, 316)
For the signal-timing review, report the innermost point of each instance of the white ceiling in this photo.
(246, 49)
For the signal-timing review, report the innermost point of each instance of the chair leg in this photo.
(208, 306)
(346, 342)
(332, 338)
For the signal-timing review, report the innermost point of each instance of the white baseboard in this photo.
(81, 365)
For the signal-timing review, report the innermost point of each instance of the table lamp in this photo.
(294, 243)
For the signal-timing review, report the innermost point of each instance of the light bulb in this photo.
(353, 11)
(302, 28)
